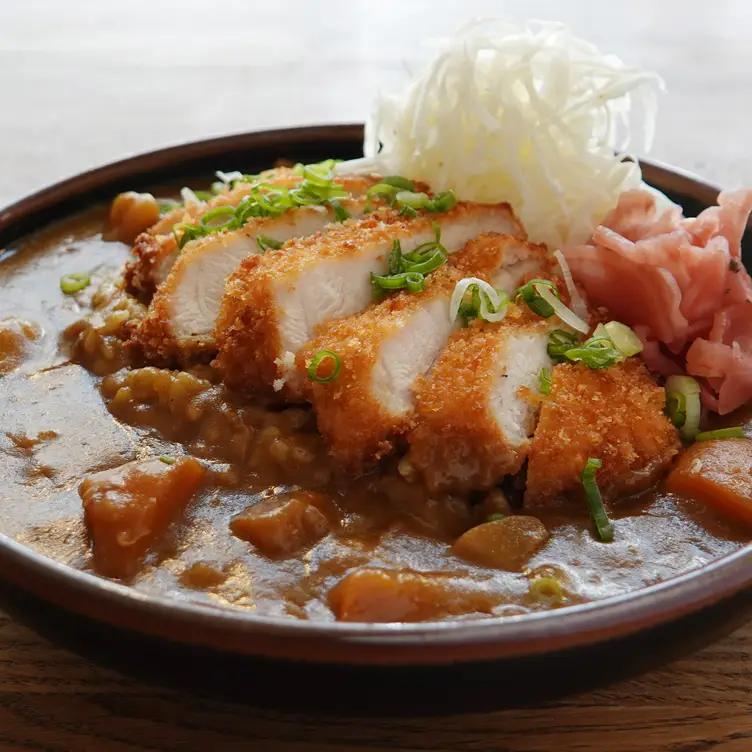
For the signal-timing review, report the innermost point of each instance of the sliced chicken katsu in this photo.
(476, 411)
(614, 414)
(275, 303)
(156, 250)
(384, 349)
(180, 321)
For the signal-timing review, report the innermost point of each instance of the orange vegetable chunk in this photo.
(129, 507)
(283, 525)
(379, 595)
(718, 473)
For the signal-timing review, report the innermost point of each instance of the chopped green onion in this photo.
(623, 338)
(203, 195)
(167, 460)
(264, 243)
(382, 189)
(676, 408)
(340, 213)
(596, 352)
(534, 301)
(595, 500)
(396, 263)
(267, 200)
(432, 262)
(443, 202)
(217, 187)
(413, 281)
(683, 405)
(407, 211)
(559, 341)
(545, 381)
(547, 590)
(411, 199)
(74, 282)
(735, 432)
(495, 517)
(218, 218)
(397, 181)
(321, 357)
(484, 301)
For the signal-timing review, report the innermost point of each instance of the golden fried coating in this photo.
(459, 442)
(268, 299)
(613, 414)
(353, 417)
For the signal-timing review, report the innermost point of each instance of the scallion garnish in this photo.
(595, 500)
(596, 352)
(443, 202)
(411, 199)
(413, 281)
(218, 218)
(475, 298)
(683, 405)
(340, 213)
(74, 282)
(495, 517)
(267, 200)
(203, 195)
(545, 381)
(322, 356)
(559, 341)
(167, 460)
(734, 432)
(397, 181)
(534, 301)
(396, 264)
(264, 243)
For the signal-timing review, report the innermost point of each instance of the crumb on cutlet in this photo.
(614, 414)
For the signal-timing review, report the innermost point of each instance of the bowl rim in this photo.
(516, 635)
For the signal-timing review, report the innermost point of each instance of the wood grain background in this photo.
(85, 82)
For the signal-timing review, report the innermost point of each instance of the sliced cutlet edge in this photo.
(353, 413)
(266, 296)
(156, 251)
(614, 414)
(460, 442)
(175, 331)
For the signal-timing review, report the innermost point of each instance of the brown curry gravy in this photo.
(56, 427)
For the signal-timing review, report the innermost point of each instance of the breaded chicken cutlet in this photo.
(275, 303)
(180, 322)
(384, 349)
(477, 409)
(156, 250)
(614, 414)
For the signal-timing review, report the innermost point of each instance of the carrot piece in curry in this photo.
(719, 473)
(129, 507)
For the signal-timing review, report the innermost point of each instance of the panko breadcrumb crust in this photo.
(614, 414)
(247, 328)
(457, 443)
(355, 424)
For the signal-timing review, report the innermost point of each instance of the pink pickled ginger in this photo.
(680, 284)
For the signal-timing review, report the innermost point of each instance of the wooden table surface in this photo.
(85, 82)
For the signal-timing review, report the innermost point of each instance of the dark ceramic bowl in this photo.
(351, 668)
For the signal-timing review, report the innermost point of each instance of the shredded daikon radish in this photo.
(189, 197)
(578, 304)
(529, 114)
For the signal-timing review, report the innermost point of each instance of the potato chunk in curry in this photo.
(374, 595)
(129, 507)
(283, 525)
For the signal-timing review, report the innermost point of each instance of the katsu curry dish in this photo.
(482, 371)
